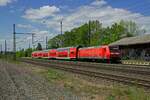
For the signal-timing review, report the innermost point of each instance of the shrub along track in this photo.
(128, 74)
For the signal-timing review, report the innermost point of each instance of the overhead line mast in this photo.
(61, 23)
(14, 40)
(46, 42)
(5, 47)
(1, 49)
(89, 35)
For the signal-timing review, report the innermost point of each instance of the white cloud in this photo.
(40, 13)
(98, 3)
(100, 10)
(25, 26)
(97, 10)
(5, 2)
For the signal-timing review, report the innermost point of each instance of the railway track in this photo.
(143, 70)
(103, 71)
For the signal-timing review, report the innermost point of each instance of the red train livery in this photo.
(52, 53)
(66, 53)
(92, 53)
(37, 54)
(45, 54)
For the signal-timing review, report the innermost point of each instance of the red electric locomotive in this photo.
(100, 52)
(114, 53)
(105, 53)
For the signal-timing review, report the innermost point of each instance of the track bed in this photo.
(20, 82)
(136, 75)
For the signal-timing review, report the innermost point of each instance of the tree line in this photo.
(28, 52)
(92, 33)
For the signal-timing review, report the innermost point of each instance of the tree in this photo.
(55, 42)
(39, 46)
(99, 35)
(20, 53)
(25, 53)
(131, 29)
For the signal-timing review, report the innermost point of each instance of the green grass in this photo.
(8, 58)
(128, 93)
(53, 75)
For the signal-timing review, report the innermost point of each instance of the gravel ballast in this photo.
(19, 82)
(23, 81)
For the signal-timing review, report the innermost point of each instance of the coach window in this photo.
(72, 52)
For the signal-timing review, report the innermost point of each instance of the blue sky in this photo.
(43, 16)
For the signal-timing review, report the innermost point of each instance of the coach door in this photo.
(72, 52)
(104, 53)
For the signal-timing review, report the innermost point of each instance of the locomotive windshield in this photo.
(114, 48)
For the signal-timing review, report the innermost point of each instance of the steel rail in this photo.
(115, 67)
(119, 78)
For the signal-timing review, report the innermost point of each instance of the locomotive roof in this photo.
(142, 39)
(93, 47)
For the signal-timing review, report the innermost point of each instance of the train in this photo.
(96, 53)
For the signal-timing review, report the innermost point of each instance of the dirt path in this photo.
(18, 82)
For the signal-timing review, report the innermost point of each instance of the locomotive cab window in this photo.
(114, 48)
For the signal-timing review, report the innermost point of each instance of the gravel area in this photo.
(19, 82)
(23, 81)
